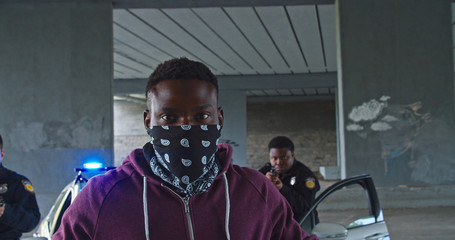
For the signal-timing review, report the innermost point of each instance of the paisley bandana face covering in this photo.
(188, 153)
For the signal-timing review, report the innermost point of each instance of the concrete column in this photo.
(397, 99)
(233, 103)
(129, 129)
(55, 90)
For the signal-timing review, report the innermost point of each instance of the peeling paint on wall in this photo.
(28, 137)
(367, 111)
(380, 126)
(85, 133)
(354, 127)
(389, 118)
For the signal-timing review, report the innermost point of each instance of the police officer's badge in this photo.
(28, 186)
(310, 183)
(3, 188)
(292, 181)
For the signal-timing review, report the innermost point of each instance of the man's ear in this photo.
(220, 117)
(146, 118)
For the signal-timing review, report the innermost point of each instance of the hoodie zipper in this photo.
(188, 217)
(186, 202)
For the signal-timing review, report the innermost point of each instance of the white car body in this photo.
(49, 225)
(371, 227)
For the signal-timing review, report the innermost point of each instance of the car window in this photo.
(348, 206)
(64, 204)
(53, 213)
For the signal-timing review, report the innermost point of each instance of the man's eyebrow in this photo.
(169, 109)
(202, 107)
(198, 108)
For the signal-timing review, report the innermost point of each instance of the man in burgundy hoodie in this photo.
(182, 184)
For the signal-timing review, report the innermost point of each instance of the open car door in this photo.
(349, 209)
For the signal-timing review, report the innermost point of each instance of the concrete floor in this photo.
(408, 222)
(421, 223)
(433, 223)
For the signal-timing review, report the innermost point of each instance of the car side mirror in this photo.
(332, 231)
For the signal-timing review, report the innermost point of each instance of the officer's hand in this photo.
(2, 210)
(275, 180)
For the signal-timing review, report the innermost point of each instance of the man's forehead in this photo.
(183, 92)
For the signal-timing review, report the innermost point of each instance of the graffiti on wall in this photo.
(395, 126)
(230, 142)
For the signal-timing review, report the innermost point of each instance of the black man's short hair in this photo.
(180, 68)
(281, 142)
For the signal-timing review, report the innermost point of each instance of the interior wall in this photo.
(309, 124)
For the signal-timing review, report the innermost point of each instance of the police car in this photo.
(49, 225)
(347, 210)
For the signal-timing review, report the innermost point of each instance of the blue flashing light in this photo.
(93, 165)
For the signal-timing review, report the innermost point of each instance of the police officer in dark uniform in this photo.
(295, 181)
(18, 208)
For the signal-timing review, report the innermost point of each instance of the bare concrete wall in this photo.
(309, 124)
(55, 90)
(397, 80)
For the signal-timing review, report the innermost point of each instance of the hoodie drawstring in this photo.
(144, 199)
(228, 206)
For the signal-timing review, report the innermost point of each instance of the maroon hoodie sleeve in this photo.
(287, 228)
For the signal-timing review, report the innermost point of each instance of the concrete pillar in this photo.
(55, 90)
(396, 82)
(233, 103)
(129, 129)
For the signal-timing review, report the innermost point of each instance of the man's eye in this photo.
(203, 116)
(168, 118)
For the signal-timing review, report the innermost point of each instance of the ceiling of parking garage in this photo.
(247, 39)
(242, 40)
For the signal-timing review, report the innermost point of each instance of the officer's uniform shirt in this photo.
(21, 210)
(299, 187)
